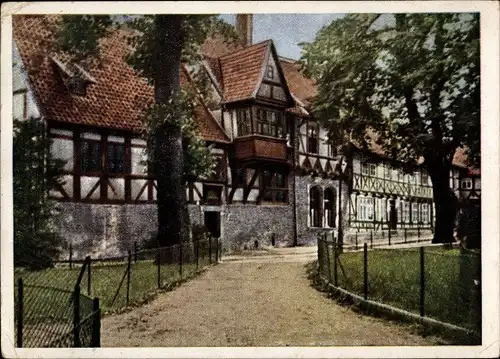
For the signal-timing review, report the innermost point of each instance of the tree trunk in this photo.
(446, 205)
(168, 139)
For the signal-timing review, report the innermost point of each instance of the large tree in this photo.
(160, 43)
(409, 82)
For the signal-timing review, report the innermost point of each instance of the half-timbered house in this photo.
(278, 181)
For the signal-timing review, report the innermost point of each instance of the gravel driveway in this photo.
(262, 300)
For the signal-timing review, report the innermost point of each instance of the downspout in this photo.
(294, 174)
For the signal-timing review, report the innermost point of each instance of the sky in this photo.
(286, 30)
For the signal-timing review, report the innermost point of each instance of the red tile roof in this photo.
(241, 71)
(301, 87)
(118, 98)
(460, 159)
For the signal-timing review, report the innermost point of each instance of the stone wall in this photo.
(101, 230)
(244, 224)
(306, 235)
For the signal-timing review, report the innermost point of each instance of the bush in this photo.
(36, 244)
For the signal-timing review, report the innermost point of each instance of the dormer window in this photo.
(75, 78)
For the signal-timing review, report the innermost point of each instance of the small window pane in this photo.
(90, 156)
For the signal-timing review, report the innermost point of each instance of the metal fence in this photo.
(55, 317)
(435, 282)
(47, 315)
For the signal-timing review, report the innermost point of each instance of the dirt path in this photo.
(254, 301)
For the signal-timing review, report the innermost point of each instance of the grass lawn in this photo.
(108, 280)
(394, 279)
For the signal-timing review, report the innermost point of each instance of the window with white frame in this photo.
(368, 169)
(329, 199)
(365, 209)
(414, 213)
(315, 206)
(425, 178)
(466, 183)
(425, 212)
(387, 172)
(406, 211)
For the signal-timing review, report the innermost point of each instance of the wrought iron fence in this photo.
(55, 317)
(48, 316)
(434, 281)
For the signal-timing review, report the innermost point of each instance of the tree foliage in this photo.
(410, 83)
(413, 78)
(36, 244)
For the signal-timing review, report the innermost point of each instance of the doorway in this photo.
(393, 215)
(212, 223)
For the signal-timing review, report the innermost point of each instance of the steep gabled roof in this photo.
(241, 71)
(119, 95)
(301, 87)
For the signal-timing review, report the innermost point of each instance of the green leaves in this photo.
(79, 35)
(36, 243)
(179, 111)
(402, 76)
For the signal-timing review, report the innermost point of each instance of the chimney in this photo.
(244, 28)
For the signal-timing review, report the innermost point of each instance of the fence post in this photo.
(135, 251)
(89, 275)
(197, 254)
(405, 235)
(96, 324)
(70, 256)
(422, 282)
(356, 240)
(328, 262)
(216, 250)
(129, 267)
(389, 234)
(158, 266)
(210, 250)
(371, 239)
(418, 234)
(335, 264)
(180, 260)
(76, 317)
(365, 271)
(20, 312)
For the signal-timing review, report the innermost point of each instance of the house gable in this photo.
(272, 85)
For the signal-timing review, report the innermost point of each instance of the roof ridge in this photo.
(245, 48)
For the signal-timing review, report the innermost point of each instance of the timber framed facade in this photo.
(278, 178)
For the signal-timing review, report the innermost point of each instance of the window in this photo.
(269, 123)
(330, 207)
(466, 183)
(365, 209)
(425, 178)
(243, 122)
(387, 172)
(90, 156)
(414, 213)
(315, 206)
(270, 72)
(312, 138)
(116, 158)
(274, 187)
(406, 211)
(425, 213)
(368, 169)
(212, 194)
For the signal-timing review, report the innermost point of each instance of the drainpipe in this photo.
(294, 174)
